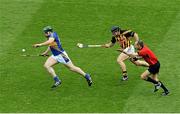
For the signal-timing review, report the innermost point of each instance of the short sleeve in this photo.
(113, 40)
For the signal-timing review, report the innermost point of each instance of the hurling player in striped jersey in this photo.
(123, 38)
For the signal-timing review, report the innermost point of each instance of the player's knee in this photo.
(143, 77)
(46, 66)
(119, 61)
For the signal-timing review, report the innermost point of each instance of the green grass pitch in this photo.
(25, 85)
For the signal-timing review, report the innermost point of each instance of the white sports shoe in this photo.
(56, 84)
(124, 78)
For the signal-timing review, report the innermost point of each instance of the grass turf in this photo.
(25, 85)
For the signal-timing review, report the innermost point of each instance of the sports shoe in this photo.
(124, 78)
(165, 93)
(88, 79)
(56, 84)
(157, 86)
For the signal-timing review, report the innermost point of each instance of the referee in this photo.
(153, 69)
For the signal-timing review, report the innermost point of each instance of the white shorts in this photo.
(130, 50)
(62, 58)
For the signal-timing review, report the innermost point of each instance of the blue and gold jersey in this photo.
(55, 46)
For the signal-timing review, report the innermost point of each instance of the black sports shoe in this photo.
(157, 86)
(89, 82)
(165, 93)
(56, 84)
(88, 79)
(124, 78)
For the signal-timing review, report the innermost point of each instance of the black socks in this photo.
(151, 80)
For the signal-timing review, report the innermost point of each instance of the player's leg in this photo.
(156, 86)
(154, 69)
(63, 58)
(155, 77)
(78, 70)
(74, 68)
(160, 84)
(49, 67)
(145, 76)
(120, 60)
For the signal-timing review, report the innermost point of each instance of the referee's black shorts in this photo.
(154, 69)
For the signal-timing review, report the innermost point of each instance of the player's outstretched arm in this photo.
(130, 55)
(108, 45)
(133, 55)
(51, 40)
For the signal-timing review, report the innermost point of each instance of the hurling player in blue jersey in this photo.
(58, 56)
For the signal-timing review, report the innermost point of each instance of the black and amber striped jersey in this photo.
(123, 39)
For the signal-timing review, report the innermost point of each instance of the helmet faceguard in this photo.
(47, 29)
(115, 29)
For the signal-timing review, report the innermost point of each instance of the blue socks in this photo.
(56, 79)
(87, 76)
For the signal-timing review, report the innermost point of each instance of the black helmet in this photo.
(115, 28)
(47, 29)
